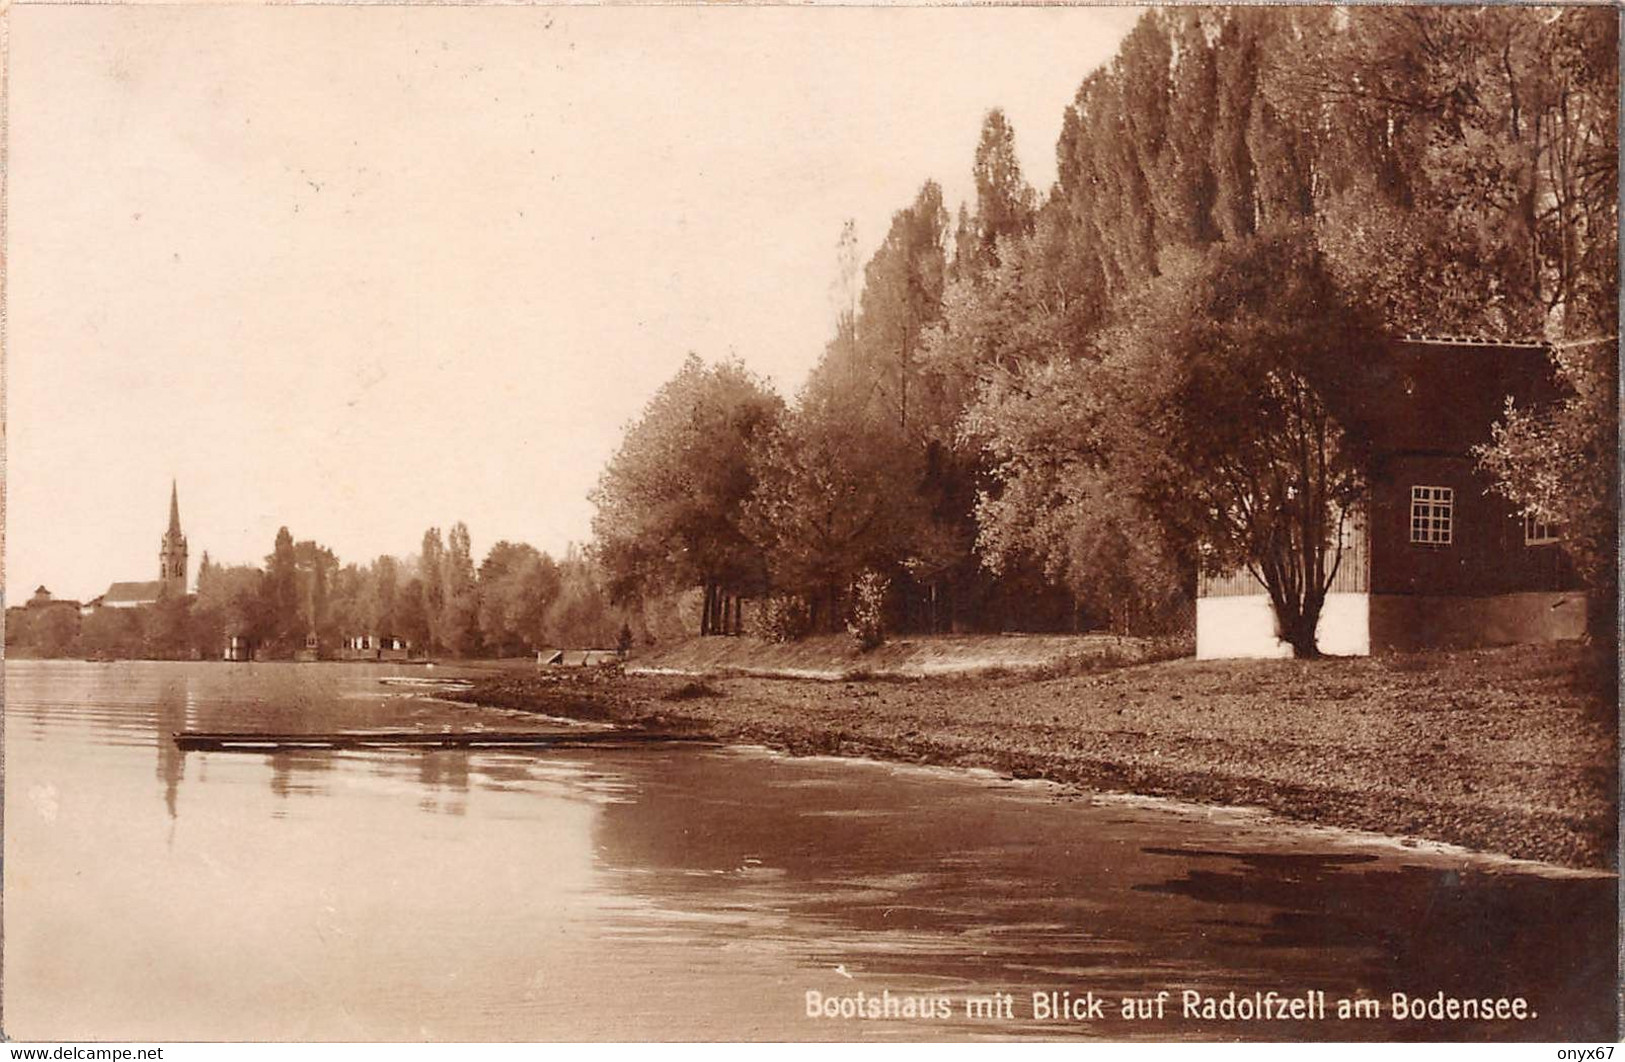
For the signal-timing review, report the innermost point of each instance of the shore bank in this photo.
(1491, 749)
(834, 656)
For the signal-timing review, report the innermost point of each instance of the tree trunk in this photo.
(1301, 631)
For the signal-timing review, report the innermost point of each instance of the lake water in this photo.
(679, 893)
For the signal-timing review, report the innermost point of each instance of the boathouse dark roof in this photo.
(1436, 394)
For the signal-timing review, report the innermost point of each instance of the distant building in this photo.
(171, 579)
(133, 595)
(576, 657)
(172, 550)
(1437, 558)
(42, 601)
(381, 647)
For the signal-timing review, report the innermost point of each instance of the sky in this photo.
(361, 271)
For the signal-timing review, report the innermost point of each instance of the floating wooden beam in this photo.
(468, 739)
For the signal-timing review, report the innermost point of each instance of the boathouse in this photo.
(577, 657)
(379, 647)
(1437, 558)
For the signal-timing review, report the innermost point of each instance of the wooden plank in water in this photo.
(232, 741)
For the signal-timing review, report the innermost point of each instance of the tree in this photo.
(349, 603)
(1004, 200)
(432, 589)
(1235, 384)
(315, 565)
(118, 632)
(581, 614)
(1038, 306)
(411, 617)
(459, 623)
(1064, 497)
(902, 297)
(1562, 465)
(871, 381)
(167, 632)
(670, 501)
(1466, 165)
(517, 584)
(385, 587)
(232, 601)
(281, 593)
(55, 633)
(833, 497)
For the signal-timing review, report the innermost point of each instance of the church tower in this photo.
(172, 553)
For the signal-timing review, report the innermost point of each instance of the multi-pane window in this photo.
(1431, 515)
(1538, 531)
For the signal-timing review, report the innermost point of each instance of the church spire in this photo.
(172, 552)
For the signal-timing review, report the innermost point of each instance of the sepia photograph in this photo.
(714, 523)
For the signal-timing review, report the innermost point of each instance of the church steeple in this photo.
(172, 552)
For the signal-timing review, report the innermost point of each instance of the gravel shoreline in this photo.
(1495, 750)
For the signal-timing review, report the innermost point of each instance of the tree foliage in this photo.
(670, 502)
(1235, 408)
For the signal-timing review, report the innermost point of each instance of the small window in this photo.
(1538, 531)
(1431, 515)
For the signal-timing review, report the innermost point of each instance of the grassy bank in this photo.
(1492, 749)
(833, 657)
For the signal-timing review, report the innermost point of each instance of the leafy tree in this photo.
(517, 584)
(432, 589)
(1234, 406)
(459, 624)
(581, 615)
(902, 296)
(115, 632)
(167, 630)
(384, 585)
(1059, 498)
(281, 593)
(669, 503)
(833, 497)
(411, 617)
(349, 597)
(1004, 200)
(1562, 464)
(232, 601)
(315, 565)
(50, 632)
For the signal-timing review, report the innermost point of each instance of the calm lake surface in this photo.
(673, 893)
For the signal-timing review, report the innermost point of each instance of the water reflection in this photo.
(444, 777)
(920, 880)
(674, 893)
(171, 715)
(295, 771)
(1466, 932)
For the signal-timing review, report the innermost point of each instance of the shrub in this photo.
(868, 622)
(784, 619)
